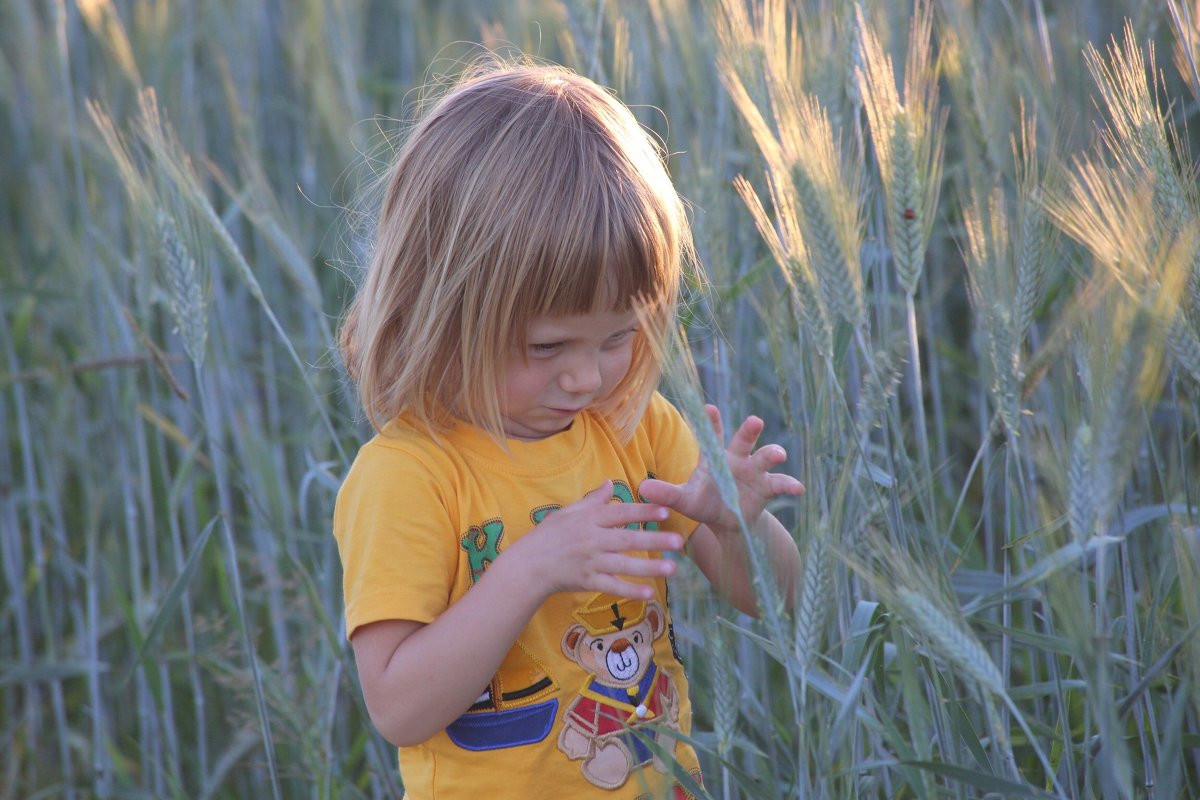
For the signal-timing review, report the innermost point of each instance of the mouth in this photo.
(566, 412)
(623, 666)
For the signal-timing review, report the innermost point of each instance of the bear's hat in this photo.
(608, 614)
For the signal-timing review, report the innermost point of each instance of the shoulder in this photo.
(401, 441)
(400, 458)
(660, 410)
(663, 442)
(661, 419)
(398, 478)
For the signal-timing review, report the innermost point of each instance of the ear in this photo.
(657, 620)
(570, 640)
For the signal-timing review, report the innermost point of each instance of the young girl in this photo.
(502, 536)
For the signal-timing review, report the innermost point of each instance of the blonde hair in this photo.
(526, 191)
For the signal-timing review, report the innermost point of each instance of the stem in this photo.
(217, 455)
(917, 400)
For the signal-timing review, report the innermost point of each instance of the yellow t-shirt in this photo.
(418, 521)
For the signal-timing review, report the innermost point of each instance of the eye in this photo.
(637, 637)
(598, 646)
(544, 348)
(621, 338)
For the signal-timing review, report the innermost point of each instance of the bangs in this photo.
(603, 252)
(593, 222)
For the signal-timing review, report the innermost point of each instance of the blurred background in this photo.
(951, 258)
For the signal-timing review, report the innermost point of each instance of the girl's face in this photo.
(569, 364)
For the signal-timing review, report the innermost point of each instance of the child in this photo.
(509, 618)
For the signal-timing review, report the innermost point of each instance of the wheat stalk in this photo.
(186, 294)
(905, 211)
(1185, 345)
(907, 135)
(950, 638)
(1080, 486)
(1035, 244)
(830, 191)
(181, 254)
(817, 192)
(1138, 129)
(726, 688)
(1193, 289)
(989, 269)
(816, 596)
(879, 382)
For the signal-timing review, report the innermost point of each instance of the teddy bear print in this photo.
(625, 687)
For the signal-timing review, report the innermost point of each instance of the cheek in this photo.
(616, 364)
(520, 382)
(593, 660)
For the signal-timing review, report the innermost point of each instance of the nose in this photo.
(619, 646)
(582, 375)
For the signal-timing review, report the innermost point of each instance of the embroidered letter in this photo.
(622, 492)
(541, 512)
(649, 526)
(482, 543)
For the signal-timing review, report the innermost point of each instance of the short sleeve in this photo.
(675, 451)
(395, 536)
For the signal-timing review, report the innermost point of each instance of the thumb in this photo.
(659, 492)
(601, 495)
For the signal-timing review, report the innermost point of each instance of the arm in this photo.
(725, 563)
(717, 546)
(418, 678)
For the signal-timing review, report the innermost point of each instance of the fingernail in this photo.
(661, 513)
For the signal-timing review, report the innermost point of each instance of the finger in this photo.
(617, 515)
(598, 496)
(653, 490)
(742, 444)
(637, 566)
(785, 484)
(714, 419)
(769, 455)
(609, 584)
(652, 541)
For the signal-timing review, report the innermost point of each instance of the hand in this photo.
(586, 547)
(699, 498)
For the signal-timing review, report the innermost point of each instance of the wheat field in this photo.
(952, 257)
